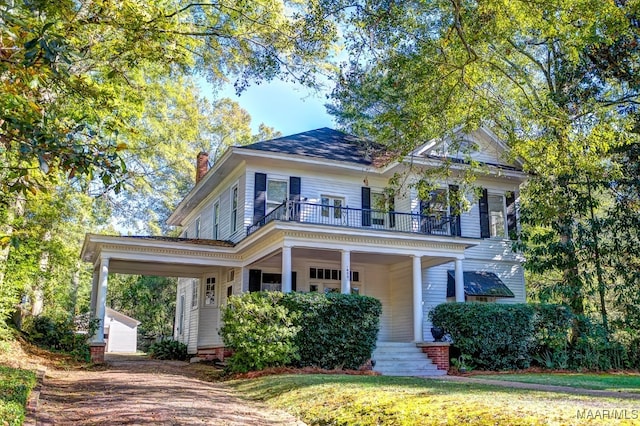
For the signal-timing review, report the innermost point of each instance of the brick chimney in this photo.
(202, 165)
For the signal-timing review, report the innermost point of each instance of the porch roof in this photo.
(179, 257)
(479, 283)
(160, 256)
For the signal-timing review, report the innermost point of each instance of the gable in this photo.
(481, 145)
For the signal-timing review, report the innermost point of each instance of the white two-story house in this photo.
(308, 212)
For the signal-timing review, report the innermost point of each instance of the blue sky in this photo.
(284, 106)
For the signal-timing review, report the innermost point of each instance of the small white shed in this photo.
(121, 332)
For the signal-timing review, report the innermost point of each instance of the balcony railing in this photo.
(322, 214)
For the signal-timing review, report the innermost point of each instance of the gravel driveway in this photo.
(134, 390)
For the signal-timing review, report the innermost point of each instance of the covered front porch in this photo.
(289, 257)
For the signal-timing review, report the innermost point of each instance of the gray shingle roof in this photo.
(322, 143)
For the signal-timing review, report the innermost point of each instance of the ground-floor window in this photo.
(331, 274)
(210, 291)
(271, 282)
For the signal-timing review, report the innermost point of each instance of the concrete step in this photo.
(403, 359)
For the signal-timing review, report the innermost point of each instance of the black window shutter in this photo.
(366, 206)
(294, 188)
(512, 223)
(483, 203)
(392, 214)
(294, 281)
(259, 197)
(294, 195)
(455, 211)
(255, 280)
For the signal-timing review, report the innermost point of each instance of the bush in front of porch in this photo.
(336, 330)
(506, 336)
(270, 329)
(259, 330)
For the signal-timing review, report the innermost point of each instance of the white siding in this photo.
(434, 292)
(122, 337)
(376, 283)
(192, 319)
(182, 334)
(401, 278)
(209, 316)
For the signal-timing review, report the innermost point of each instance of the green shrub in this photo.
(168, 349)
(551, 325)
(58, 335)
(595, 351)
(260, 331)
(15, 387)
(496, 336)
(336, 330)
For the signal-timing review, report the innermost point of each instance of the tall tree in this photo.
(536, 73)
(68, 70)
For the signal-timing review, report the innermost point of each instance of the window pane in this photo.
(337, 212)
(496, 215)
(276, 191)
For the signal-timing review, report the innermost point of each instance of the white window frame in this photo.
(216, 220)
(235, 196)
(378, 214)
(209, 291)
(492, 227)
(271, 204)
(181, 307)
(194, 293)
(328, 203)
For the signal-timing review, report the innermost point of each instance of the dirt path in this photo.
(140, 391)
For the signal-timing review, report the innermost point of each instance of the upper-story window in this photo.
(234, 208)
(277, 191)
(197, 228)
(331, 206)
(379, 204)
(216, 219)
(497, 215)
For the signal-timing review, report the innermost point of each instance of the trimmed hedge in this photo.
(268, 329)
(507, 336)
(497, 336)
(336, 330)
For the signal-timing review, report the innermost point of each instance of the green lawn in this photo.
(609, 382)
(375, 400)
(15, 386)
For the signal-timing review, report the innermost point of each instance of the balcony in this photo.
(346, 217)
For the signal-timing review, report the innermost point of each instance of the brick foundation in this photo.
(438, 353)
(219, 353)
(97, 352)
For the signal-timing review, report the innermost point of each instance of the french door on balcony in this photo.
(333, 210)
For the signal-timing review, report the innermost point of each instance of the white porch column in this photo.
(101, 299)
(417, 299)
(345, 285)
(459, 280)
(286, 269)
(94, 291)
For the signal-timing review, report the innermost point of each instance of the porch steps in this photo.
(403, 359)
